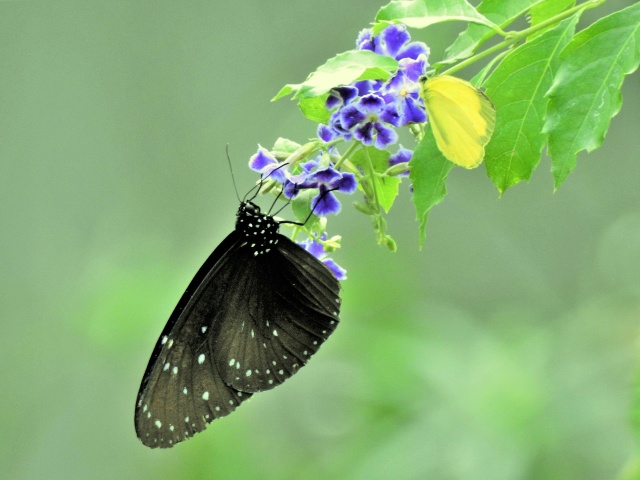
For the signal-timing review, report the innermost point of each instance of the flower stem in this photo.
(515, 37)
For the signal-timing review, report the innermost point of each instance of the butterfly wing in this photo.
(246, 323)
(462, 118)
(182, 389)
(289, 308)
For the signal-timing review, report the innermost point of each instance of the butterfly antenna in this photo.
(257, 188)
(233, 179)
(274, 203)
(261, 182)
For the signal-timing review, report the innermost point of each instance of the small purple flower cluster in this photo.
(367, 111)
(370, 110)
(313, 174)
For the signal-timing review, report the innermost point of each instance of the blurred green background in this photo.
(505, 349)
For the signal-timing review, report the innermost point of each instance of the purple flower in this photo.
(327, 180)
(266, 164)
(403, 155)
(368, 109)
(402, 91)
(340, 96)
(367, 86)
(369, 118)
(334, 130)
(326, 133)
(315, 248)
(365, 40)
(393, 41)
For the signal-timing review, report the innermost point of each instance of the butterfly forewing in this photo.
(254, 313)
(182, 390)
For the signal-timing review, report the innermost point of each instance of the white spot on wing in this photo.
(205, 396)
(201, 358)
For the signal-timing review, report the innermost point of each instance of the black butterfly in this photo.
(255, 312)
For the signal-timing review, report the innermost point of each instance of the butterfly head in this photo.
(260, 231)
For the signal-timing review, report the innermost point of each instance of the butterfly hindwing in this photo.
(281, 323)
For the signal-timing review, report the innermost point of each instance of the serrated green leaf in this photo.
(422, 13)
(499, 12)
(586, 94)
(429, 171)
(343, 69)
(386, 187)
(315, 109)
(517, 88)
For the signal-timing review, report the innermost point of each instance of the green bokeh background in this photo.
(505, 349)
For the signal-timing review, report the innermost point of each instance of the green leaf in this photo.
(283, 147)
(315, 109)
(517, 88)
(479, 78)
(422, 13)
(287, 90)
(386, 187)
(301, 207)
(499, 12)
(429, 170)
(546, 10)
(343, 69)
(586, 94)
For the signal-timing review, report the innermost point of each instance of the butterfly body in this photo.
(253, 315)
